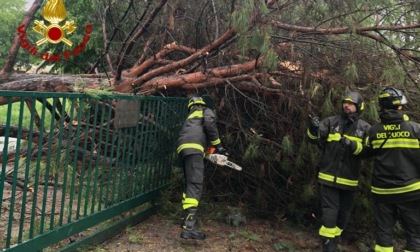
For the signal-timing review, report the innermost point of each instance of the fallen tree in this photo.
(266, 66)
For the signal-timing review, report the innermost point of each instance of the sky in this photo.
(28, 4)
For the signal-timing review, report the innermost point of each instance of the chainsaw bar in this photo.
(222, 160)
(233, 166)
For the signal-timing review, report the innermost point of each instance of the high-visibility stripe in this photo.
(327, 232)
(383, 249)
(396, 143)
(200, 101)
(189, 202)
(337, 137)
(311, 136)
(215, 142)
(334, 137)
(338, 231)
(353, 138)
(330, 232)
(338, 180)
(196, 114)
(412, 187)
(190, 146)
(359, 148)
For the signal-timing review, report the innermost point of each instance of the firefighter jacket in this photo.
(198, 132)
(394, 143)
(339, 165)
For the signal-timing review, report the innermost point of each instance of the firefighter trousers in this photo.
(386, 215)
(336, 207)
(193, 167)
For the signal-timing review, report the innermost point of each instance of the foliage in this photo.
(83, 13)
(265, 129)
(10, 18)
(351, 74)
(328, 107)
(80, 87)
(287, 146)
(284, 246)
(249, 235)
(241, 17)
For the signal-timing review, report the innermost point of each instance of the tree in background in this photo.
(10, 19)
(267, 65)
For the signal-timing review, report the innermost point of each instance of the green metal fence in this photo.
(71, 162)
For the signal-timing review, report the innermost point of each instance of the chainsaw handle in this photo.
(211, 150)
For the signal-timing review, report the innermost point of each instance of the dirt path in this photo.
(157, 234)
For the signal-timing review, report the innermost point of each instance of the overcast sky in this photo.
(28, 4)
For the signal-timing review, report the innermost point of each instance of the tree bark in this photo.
(216, 76)
(129, 85)
(49, 83)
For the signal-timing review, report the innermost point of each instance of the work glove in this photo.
(347, 143)
(313, 125)
(220, 150)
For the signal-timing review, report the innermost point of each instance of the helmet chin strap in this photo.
(196, 106)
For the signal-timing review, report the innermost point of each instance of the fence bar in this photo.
(67, 167)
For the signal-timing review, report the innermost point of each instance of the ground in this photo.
(158, 234)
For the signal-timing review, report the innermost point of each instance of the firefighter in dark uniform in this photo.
(341, 139)
(394, 142)
(198, 133)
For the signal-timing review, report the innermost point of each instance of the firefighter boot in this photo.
(337, 241)
(329, 244)
(189, 230)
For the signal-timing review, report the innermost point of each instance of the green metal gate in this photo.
(71, 162)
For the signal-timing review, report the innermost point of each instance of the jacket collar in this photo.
(393, 116)
(350, 118)
(196, 107)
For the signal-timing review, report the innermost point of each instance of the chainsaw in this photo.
(220, 160)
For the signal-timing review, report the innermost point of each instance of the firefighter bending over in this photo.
(199, 128)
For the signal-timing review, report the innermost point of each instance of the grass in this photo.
(135, 239)
(133, 236)
(26, 116)
(283, 246)
(249, 235)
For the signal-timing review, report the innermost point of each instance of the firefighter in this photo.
(394, 143)
(340, 138)
(198, 132)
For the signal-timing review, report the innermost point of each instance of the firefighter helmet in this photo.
(356, 99)
(196, 101)
(391, 98)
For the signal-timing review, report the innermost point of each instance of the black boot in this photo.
(329, 244)
(337, 241)
(189, 230)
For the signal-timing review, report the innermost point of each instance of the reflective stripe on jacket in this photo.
(394, 142)
(199, 128)
(339, 166)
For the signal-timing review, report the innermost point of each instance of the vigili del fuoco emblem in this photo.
(54, 12)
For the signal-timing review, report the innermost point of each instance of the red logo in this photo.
(54, 12)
